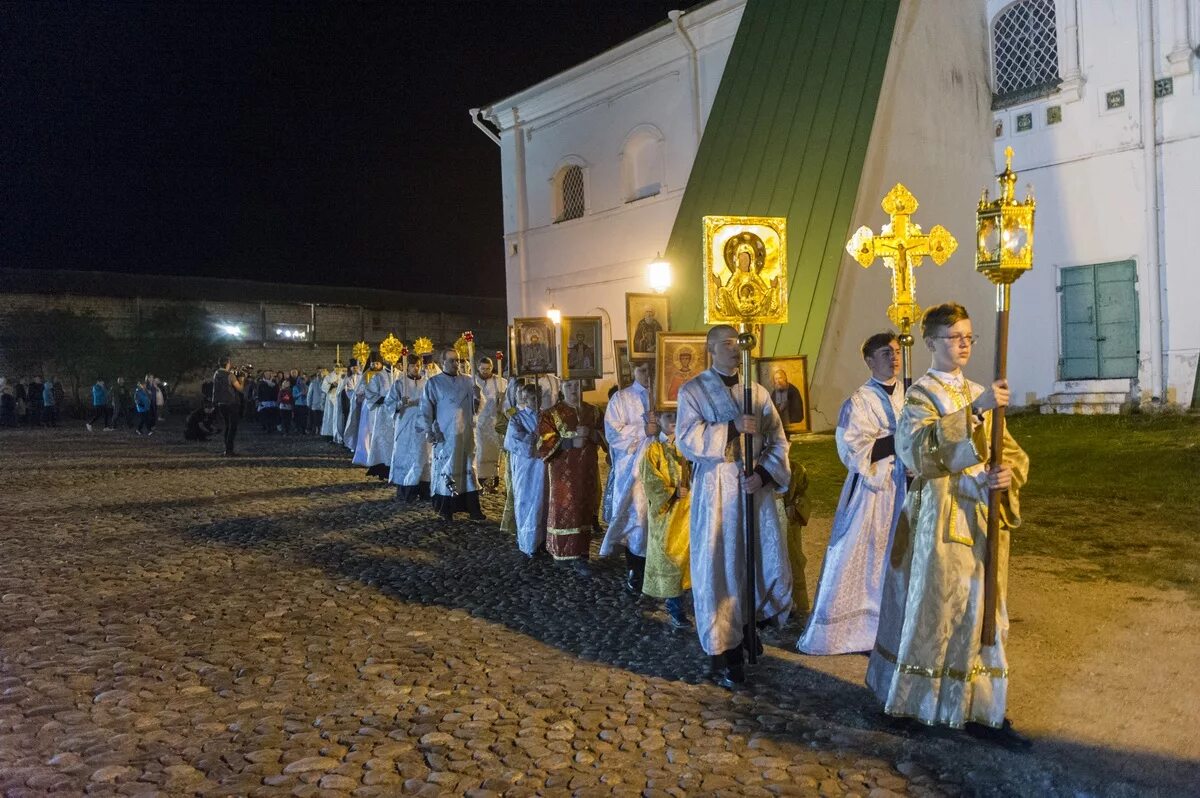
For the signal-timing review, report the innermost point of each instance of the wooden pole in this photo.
(991, 586)
(750, 642)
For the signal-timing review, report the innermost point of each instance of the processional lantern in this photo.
(361, 353)
(745, 283)
(1003, 252)
(902, 247)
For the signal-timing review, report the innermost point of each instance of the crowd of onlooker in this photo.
(278, 401)
(37, 402)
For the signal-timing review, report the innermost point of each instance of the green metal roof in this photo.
(787, 136)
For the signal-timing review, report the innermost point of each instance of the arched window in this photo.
(569, 197)
(642, 163)
(1024, 52)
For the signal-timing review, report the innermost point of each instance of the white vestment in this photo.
(380, 430)
(410, 451)
(487, 440)
(718, 544)
(362, 436)
(928, 662)
(625, 430)
(528, 480)
(331, 422)
(350, 389)
(447, 407)
(845, 615)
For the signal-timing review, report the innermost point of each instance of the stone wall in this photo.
(331, 324)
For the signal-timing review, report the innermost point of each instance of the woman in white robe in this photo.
(845, 616)
(410, 450)
(528, 485)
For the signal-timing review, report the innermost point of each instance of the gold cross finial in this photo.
(903, 247)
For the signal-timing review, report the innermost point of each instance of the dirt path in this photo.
(1105, 675)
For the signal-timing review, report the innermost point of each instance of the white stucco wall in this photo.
(585, 266)
(1090, 177)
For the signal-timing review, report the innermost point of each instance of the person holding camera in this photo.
(227, 385)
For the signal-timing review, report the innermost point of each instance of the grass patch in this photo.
(1113, 497)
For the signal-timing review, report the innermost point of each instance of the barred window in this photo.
(570, 193)
(1024, 52)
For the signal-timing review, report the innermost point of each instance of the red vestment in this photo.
(573, 471)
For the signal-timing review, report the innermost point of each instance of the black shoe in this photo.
(679, 619)
(726, 673)
(478, 517)
(581, 567)
(631, 585)
(1006, 736)
(905, 727)
(447, 515)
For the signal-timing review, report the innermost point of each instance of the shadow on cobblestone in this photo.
(279, 625)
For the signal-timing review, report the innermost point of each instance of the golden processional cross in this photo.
(902, 247)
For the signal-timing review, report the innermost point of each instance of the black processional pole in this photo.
(746, 344)
(745, 284)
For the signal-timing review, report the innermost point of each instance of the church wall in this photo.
(585, 266)
(1089, 176)
(942, 155)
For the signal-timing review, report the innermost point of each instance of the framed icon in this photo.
(583, 347)
(646, 315)
(677, 358)
(534, 339)
(745, 270)
(624, 367)
(786, 380)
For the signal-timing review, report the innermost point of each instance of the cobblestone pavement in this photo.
(176, 623)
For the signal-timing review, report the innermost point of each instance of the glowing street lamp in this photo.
(658, 274)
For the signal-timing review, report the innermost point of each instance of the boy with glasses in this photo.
(928, 663)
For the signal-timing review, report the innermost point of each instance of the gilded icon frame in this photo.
(765, 300)
(667, 349)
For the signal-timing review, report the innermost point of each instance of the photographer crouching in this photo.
(227, 389)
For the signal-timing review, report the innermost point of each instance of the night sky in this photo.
(302, 142)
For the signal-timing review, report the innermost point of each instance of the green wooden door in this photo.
(1099, 321)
